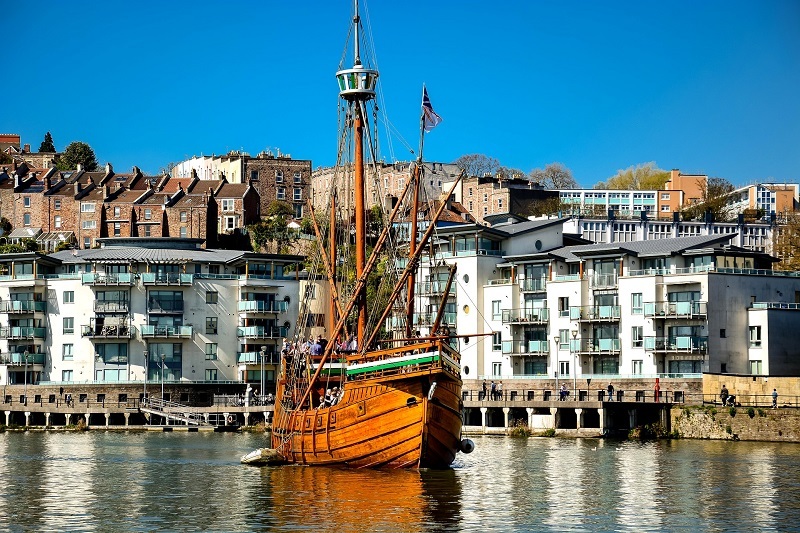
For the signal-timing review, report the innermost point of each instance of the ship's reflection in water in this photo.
(115, 481)
(301, 498)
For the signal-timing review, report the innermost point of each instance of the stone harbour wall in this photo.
(716, 422)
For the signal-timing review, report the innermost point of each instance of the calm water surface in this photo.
(98, 481)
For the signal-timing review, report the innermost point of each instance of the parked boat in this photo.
(367, 398)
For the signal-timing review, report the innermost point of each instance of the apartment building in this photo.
(134, 308)
(539, 306)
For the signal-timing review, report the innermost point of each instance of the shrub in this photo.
(648, 432)
(761, 412)
(519, 429)
(751, 412)
(728, 429)
(549, 432)
(732, 411)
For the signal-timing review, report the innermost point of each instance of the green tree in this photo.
(553, 176)
(76, 153)
(5, 225)
(47, 144)
(273, 229)
(714, 198)
(645, 176)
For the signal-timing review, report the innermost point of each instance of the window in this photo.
(183, 232)
(563, 368)
(211, 325)
(26, 219)
(69, 297)
(229, 223)
(57, 204)
(212, 297)
(470, 206)
(184, 216)
(485, 197)
(66, 375)
(637, 367)
(211, 374)
(117, 229)
(211, 351)
(26, 201)
(89, 224)
(755, 368)
(755, 336)
(496, 313)
(469, 191)
(665, 196)
(637, 338)
(280, 193)
(57, 221)
(227, 204)
(485, 210)
(87, 207)
(298, 210)
(87, 243)
(298, 194)
(563, 339)
(665, 208)
(298, 179)
(69, 325)
(254, 175)
(497, 342)
(500, 203)
(278, 176)
(67, 351)
(496, 369)
(722, 333)
(636, 303)
(563, 306)
(148, 214)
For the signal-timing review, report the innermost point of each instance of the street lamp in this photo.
(26, 376)
(575, 364)
(163, 357)
(146, 365)
(263, 354)
(557, 342)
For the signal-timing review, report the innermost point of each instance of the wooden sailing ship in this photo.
(368, 398)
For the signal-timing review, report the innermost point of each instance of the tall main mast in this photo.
(356, 87)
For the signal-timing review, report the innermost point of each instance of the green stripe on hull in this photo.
(392, 363)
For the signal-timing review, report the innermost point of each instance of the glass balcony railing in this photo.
(171, 278)
(533, 284)
(18, 359)
(691, 344)
(255, 358)
(595, 312)
(520, 347)
(180, 332)
(262, 332)
(433, 288)
(603, 281)
(674, 309)
(101, 278)
(537, 315)
(600, 345)
(23, 306)
(23, 332)
(257, 306)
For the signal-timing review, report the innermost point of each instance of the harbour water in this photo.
(129, 481)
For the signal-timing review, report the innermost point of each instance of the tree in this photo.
(645, 176)
(714, 199)
(47, 144)
(273, 228)
(477, 164)
(787, 243)
(554, 176)
(76, 153)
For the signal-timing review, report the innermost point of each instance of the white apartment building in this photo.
(540, 306)
(149, 310)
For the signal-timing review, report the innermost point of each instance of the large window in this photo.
(212, 297)
(497, 342)
(67, 351)
(637, 337)
(172, 361)
(89, 224)
(211, 325)
(66, 375)
(755, 336)
(69, 325)
(227, 204)
(496, 313)
(112, 353)
(69, 297)
(87, 207)
(211, 351)
(636, 303)
(166, 301)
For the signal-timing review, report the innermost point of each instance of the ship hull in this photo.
(411, 420)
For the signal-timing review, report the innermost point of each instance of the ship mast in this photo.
(356, 87)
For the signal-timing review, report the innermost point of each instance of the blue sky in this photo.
(707, 87)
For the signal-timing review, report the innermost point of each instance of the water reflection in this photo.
(100, 481)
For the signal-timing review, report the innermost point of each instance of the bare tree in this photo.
(477, 164)
(787, 243)
(554, 176)
(715, 195)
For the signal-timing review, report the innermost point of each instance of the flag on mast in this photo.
(430, 118)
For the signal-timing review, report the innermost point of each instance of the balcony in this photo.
(686, 344)
(103, 279)
(254, 358)
(518, 347)
(18, 359)
(499, 281)
(167, 307)
(603, 281)
(167, 332)
(675, 309)
(108, 331)
(23, 333)
(21, 307)
(262, 332)
(539, 315)
(595, 346)
(171, 278)
(435, 288)
(595, 313)
(427, 319)
(533, 284)
(111, 306)
(258, 306)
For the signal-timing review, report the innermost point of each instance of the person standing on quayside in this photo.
(484, 389)
(493, 390)
(723, 394)
(774, 398)
(610, 392)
